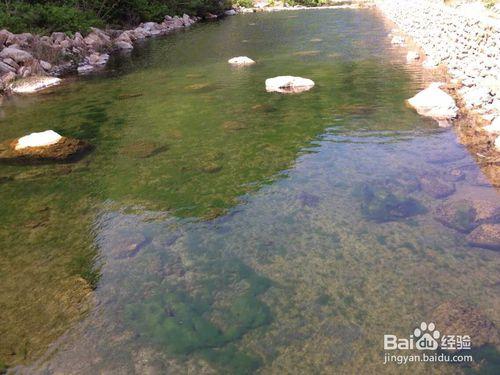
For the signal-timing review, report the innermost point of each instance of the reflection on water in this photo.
(224, 229)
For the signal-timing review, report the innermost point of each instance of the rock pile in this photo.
(24, 55)
(467, 44)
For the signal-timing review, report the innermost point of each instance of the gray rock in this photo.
(465, 215)
(16, 54)
(486, 236)
(435, 187)
(122, 45)
(5, 68)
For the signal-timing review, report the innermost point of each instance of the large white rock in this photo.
(494, 127)
(46, 138)
(288, 84)
(33, 84)
(497, 143)
(434, 102)
(241, 60)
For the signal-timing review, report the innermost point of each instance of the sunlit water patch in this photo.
(218, 228)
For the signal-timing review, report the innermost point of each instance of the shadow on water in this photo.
(220, 228)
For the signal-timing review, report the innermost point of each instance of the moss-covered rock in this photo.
(465, 215)
(218, 309)
(67, 149)
(383, 204)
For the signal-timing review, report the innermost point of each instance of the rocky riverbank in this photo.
(468, 46)
(24, 55)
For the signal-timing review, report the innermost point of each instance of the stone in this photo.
(58, 36)
(230, 12)
(45, 65)
(7, 78)
(430, 63)
(398, 40)
(458, 318)
(288, 84)
(497, 143)
(434, 102)
(241, 61)
(383, 204)
(435, 187)
(486, 236)
(33, 84)
(465, 215)
(143, 149)
(85, 69)
(494, 127)
(476, 96)
(126, 245)
(122, 45)
(412, 56)
(66, 149)
(41, 139)
(16, 54)
(6, 68)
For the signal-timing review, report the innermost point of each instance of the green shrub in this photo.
(244, 3)
(45, 18)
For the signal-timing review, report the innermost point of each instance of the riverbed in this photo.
(219, 228)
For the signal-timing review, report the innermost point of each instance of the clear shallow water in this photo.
(222, 227)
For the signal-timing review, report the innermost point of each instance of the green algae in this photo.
(184, 323)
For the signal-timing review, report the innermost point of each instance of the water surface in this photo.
(217, 228)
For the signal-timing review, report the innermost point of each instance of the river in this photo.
(219, 228)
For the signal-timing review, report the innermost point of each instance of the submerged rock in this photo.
(465, 215)
(457, 318)
(435, 187)
(49, 146)
(143, 149)
(233, 125)
(486, 236)
(241, 61)
(382, 204)
(33, 84)
(126, 246)
(288, 84)
(434, 102)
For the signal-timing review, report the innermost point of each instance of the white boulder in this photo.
(412, 56)
(497, 143)
(230, 12)
(46, 138)
(288, 84)
(33, 84)
(241, 60)
(494, 127)
(434, 102)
